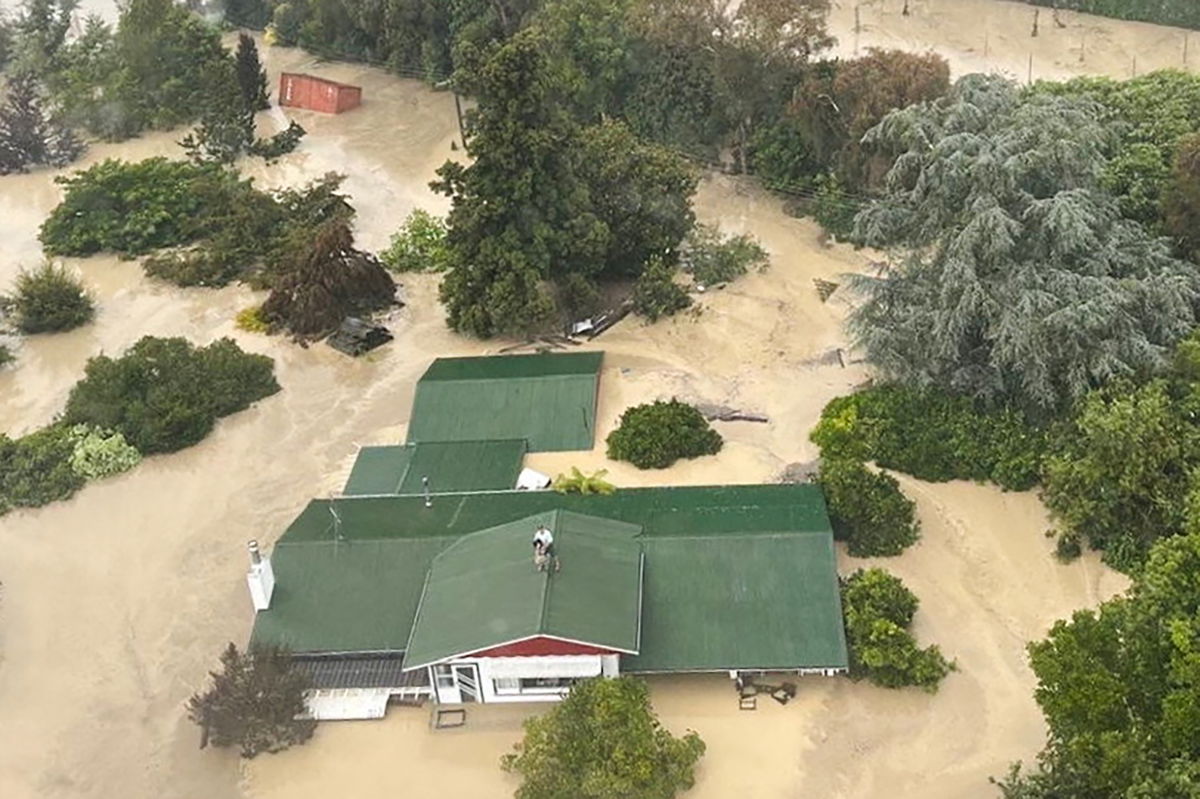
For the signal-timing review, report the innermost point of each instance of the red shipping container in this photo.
(317, 94)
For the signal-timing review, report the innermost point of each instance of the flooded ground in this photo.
(116, 603)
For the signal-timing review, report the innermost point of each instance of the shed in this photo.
(317, 94)
(548, 400)
(451, 466)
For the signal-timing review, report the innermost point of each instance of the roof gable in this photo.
(483, 591)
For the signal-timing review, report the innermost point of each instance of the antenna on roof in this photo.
(425, 488)
(337, 523)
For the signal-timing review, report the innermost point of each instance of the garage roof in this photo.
(547, 400)
(450, 465)
(483, 591)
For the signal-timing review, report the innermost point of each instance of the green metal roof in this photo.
(547, 400)
(749, 601)
(451, 466)
(507, 367)
(484, 591)
(345, 596)
(681, 510)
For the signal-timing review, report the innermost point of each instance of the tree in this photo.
(164, 394)
(419, 245)
(1119, 471)
(1120, 689)
(40, 29)
(326, 281)
(867, 509)
(713, 259)
(878, 610)
(251, 77)
(226, 126)
(656, 434)
(256, 702)
(27, 137)
(656, 294)
(603, 741)
(50, 299)
(1015, 275)
(1181, 200)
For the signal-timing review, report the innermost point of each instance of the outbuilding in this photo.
(317, 94)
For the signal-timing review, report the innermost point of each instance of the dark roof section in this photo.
(483, 590)
(508, 367)
(683, 510)
(451, 466)
(345, 596)
(547, 400)
(747, 602)
(360, 672)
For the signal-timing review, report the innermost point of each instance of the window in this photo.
(443, 676)
(539, 684)
(507, 685)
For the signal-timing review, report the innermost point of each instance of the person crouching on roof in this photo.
(543, 549)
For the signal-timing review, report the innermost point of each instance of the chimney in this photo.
(260, 578)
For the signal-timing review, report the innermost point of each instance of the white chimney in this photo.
(260, 578)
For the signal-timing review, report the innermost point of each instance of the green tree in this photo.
(656, 434)
(226, 125)
(36, 468)
(656, 294)
(164, 394)
(28, 137)
(879, 609)
(603, 741)
(1119, 471)
(867, 509)
(590, 43)
(256, 702)
(251, 77)
(419, 245)
(1181, 200)
(713, 259)
(1120, 689)
(50, 299)
(1015, 275)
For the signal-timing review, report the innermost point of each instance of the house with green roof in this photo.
(394, 589)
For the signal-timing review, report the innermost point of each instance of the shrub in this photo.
(713, 259)
(419, 245)
(36, 469)
(100, 453)
(878, 610)
(1068, 547)
(50, 299)
(834, 209)
(656, 294)
(603, 741)
(655, 435)
(6, 355)
(579, 483)
(256, 702)
(251, 320)
(867, 509)
(165, 394)
(933, 436)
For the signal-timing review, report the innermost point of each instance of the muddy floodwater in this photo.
(116, 603)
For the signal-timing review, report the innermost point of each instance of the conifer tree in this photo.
(27, 137)
(251, 76)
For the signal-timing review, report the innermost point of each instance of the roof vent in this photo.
(260, 578)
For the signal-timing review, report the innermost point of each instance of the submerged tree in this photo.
(252, 78)
(27, 136)
(324, 281)
(1181, 200)
(256, 702)
(603, 741)
(1015, 275)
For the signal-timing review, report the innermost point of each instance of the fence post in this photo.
(1030, 80)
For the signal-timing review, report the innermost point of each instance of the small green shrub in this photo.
(579, 483)
(933, 436)
(1068, 547)
(100, 453)
(192, 267)
(36, 469)
(713, 259)
(6, 355)
(279, 145)
(165, 394)
(867, 509)
(251, 320)
(656, 294)
(833, 208)
(419, 245)
(655, 435)
(879, 609)
(50, 299)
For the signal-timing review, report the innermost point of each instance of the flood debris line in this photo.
(724, 413)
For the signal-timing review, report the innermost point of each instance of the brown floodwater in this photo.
(115, 603)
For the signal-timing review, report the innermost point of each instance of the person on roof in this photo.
(543, 549)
